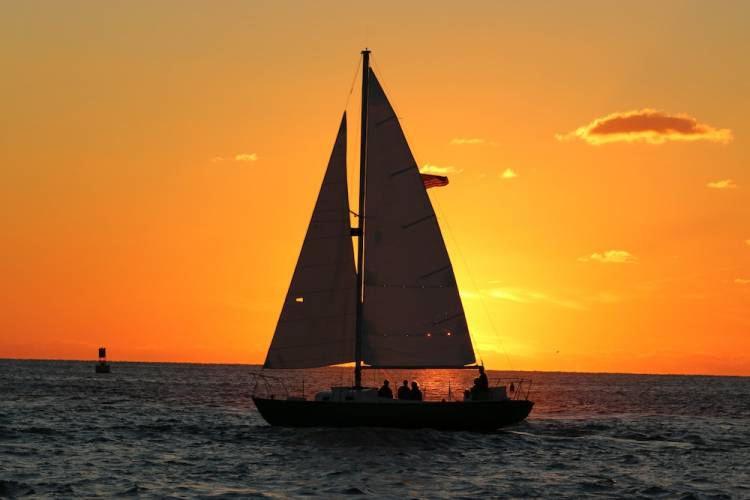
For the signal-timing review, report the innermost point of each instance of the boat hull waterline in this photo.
(449, 415)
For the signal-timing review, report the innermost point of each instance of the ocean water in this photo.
(182, 430)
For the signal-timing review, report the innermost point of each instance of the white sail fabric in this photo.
(317, 323)
(413, 316)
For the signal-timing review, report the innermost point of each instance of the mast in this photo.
(361, 228)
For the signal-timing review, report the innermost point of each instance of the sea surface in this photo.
(187, 430)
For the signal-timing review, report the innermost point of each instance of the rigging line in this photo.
(354, 81)
(404, 127)
(482, 300)
(381, 79)
(353, 141)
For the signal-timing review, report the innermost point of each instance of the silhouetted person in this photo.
(481, 387)
(484, 384)
(415, 394)
(385, 391)
(475, 390)
(403, 391)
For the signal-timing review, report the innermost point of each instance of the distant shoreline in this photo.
(251, 365)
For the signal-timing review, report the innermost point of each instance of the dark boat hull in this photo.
(475, 415)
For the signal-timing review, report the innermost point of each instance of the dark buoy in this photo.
(102, 366)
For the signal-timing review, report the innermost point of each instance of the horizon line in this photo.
(347, 367)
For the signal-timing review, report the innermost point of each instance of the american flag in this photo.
(431, 181)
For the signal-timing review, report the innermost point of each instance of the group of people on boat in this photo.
(479, 391)
(404, 393)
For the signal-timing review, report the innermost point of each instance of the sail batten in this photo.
(317, 322)
(412, 312)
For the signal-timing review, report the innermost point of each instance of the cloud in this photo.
(435, 169)
(527, 296)
(722, 184)
(607, 298)
(237, 157)
(610, 257)
(741, 281)
(246, 157)
(579, 300)
(646, 125)
(462, 141)
(509, 173)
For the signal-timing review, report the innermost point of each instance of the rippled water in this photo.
(191, 430)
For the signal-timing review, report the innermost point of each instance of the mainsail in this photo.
(317, 323)
(413, 316)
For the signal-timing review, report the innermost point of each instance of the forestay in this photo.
(317, 323)
(413, 314)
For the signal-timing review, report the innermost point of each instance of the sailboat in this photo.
(398, 308)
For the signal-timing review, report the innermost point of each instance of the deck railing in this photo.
(518, 388)
(271, 386)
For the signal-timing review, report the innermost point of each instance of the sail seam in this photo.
(448, 318)
(413, 335)
(323, 290)
(406, 169)
(307, 345)
(385, 285)
(342, 236)
(312, 318)
(407, 352)
(427, 217)
(337, 209)
(334, 264)
(377, 124)
(404, 332)
(444, 268)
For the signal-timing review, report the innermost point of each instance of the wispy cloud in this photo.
(508, 173)
(435, 169)
(722, 184)
(647, 125)
(610, 257)
(238, 157)
(741, 281)
(579, 300)
(528, 296)
(608, 298)
(463, 141)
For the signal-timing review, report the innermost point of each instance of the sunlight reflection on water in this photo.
(191, 430)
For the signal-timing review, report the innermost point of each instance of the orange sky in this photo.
(130, 217)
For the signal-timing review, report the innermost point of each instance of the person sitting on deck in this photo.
(484, 384)
(385, 391)
(415, 394)
(481, 387)
(403, 391)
